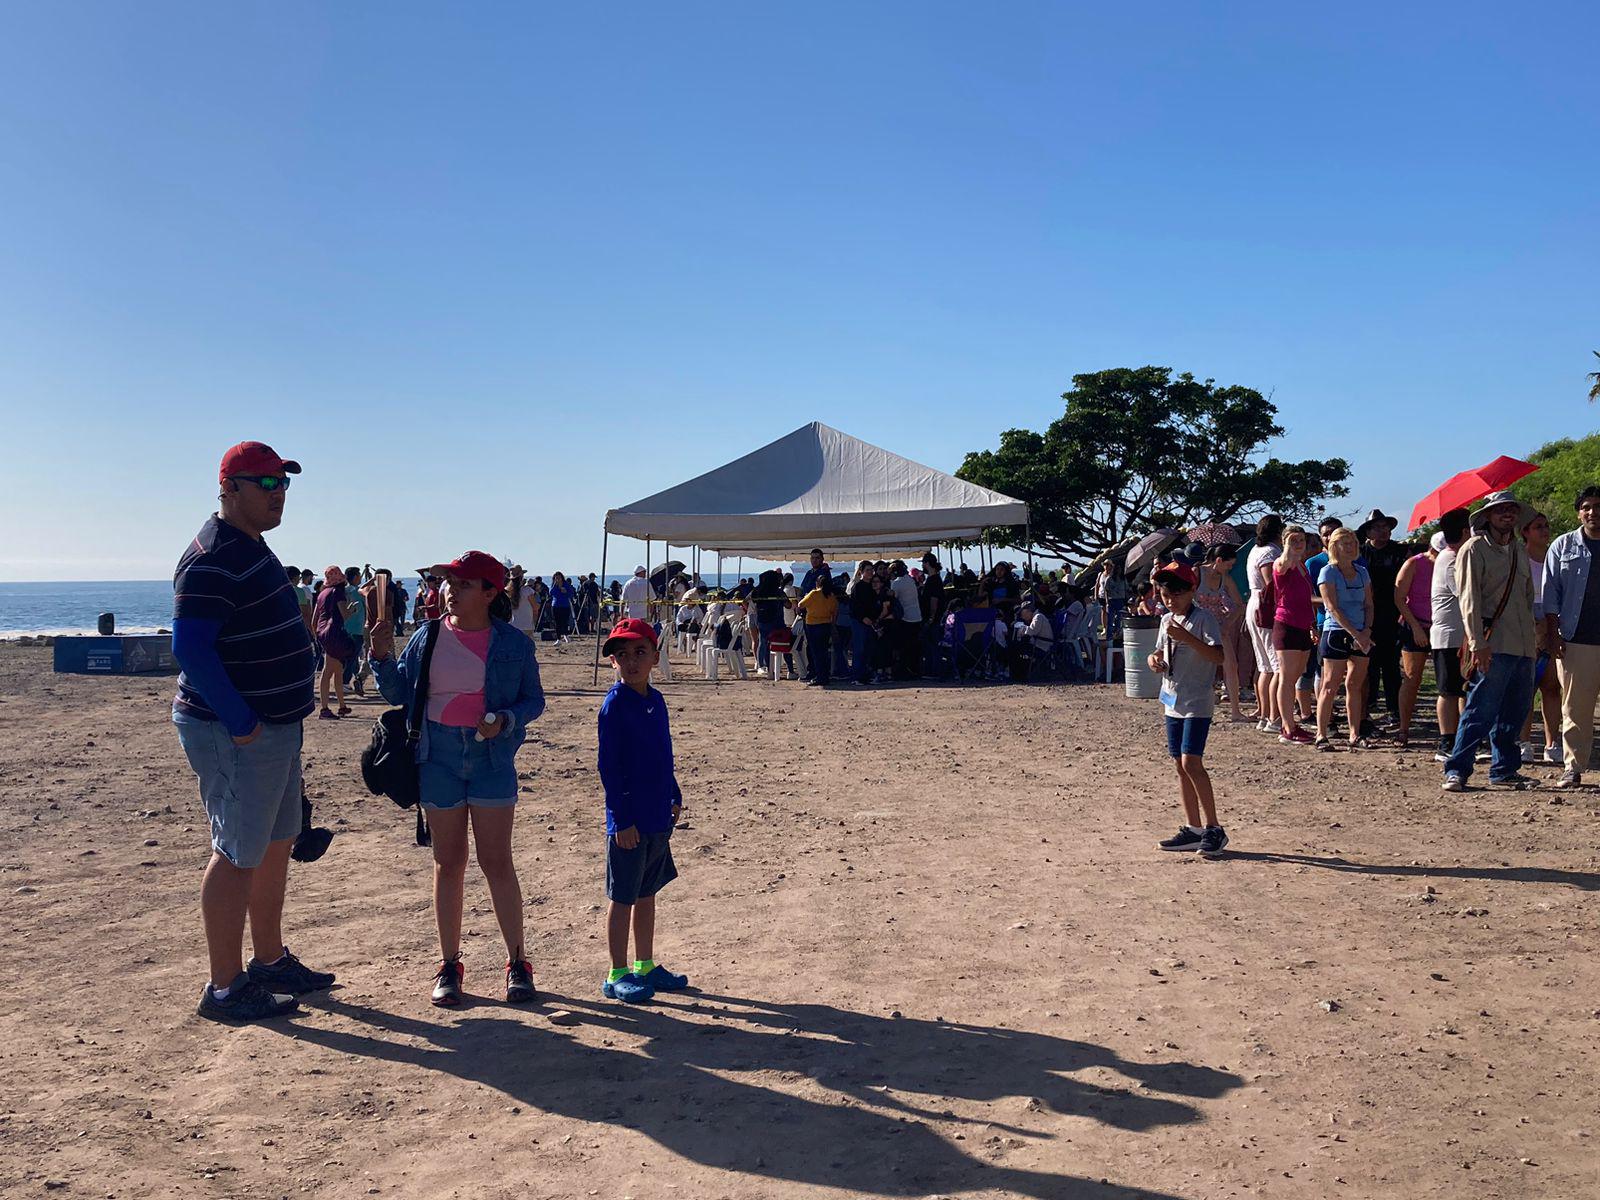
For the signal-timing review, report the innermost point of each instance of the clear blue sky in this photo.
(488, 270)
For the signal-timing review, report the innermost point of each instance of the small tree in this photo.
(1594, 381)
(1137, 449)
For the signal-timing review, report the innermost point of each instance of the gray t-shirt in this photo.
(1191, 681)
(1448, 630)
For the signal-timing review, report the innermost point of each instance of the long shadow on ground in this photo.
(884, 1077)
(1588, 881)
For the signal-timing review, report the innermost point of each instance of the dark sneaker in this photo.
(1453, 783)
(1514, 780)
(1213, 841)
(1296, 737)
(519, 982)
(630, 989)
(247, 1001)
(1570, 779)
(1323, 743)
(447, 983)
(288, 974)
(1184, 839)
(663, 980)
(327, 714)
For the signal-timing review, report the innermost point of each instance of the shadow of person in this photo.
(666, 1091)
(1587, 881)
(873, 1057)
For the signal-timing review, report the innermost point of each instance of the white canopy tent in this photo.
(816, 487)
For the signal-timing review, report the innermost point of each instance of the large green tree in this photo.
(1566, 467)
(1137, 449)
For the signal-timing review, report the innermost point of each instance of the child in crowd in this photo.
(1188, 652)
(642, 806)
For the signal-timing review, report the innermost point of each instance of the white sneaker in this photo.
(1552, 754)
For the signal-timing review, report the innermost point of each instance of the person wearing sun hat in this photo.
(481, 691)
(643, 802)
(1383, 558)
(1496, 592)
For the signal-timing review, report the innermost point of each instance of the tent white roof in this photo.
(817, 487)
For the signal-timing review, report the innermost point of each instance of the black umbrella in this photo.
(1151, 547)
(662, 574)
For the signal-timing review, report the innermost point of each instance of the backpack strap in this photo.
(419, 693)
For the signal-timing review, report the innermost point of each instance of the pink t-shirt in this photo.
(455, 676)
(1293, 587)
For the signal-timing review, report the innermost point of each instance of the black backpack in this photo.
(724, 634)
(389, 763)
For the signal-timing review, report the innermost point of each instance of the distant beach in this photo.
(140, 605)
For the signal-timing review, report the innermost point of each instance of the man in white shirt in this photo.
(636, 596)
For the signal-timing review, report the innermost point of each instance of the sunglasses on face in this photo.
(267, 483)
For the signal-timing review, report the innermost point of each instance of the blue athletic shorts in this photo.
(251, 793)
(1187, 735)
(459, 770)
(632, 875)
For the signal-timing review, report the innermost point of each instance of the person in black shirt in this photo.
(1384, 557)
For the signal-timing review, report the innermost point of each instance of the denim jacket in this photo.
(1566, 580)
(510, 686)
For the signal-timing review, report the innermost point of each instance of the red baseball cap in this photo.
(1178, 570)
(630, 629)
(255, 458)
(474, 564)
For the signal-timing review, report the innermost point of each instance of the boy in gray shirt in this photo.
(1188, 652)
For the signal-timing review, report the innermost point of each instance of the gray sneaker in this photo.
(1453, 783)
(247, 1001)
(1570, 779)
(1552, 754)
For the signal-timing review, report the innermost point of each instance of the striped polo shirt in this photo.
(264, 645)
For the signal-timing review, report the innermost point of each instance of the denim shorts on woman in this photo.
(1187, 735)
(459, 771)
(1338, 645)
(251, 793)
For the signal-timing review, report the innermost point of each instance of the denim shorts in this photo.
(633, 875)
(251, 793)
(1187, 736)
(459, 770)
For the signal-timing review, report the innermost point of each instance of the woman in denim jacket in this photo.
(483, 689)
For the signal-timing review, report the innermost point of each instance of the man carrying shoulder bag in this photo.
(1496, 592)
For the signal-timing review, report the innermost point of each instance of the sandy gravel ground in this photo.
(939, 955)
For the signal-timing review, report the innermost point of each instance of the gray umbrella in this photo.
(1150, 548)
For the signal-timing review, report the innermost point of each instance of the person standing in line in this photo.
(1269, 544)
(1413, 591)
(769, 602)
(1571, 602)
(1383, 558)
(908, 630)
(244, 692)
(1292, 619)
(635, 596)
(355, 627)
(1188, 652)
(1346, 637)
(520, 595)
(819, 607)
(1310, 680)
(1219, 596)
(1496, 592)
(1447, 633)
(561, 606)
(481, 694)
(1536, 538)
(819, 568)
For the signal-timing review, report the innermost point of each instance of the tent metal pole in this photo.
(599, 616)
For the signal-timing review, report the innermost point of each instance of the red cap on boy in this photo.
(630, 629)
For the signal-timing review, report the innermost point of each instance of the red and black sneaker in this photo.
(447, 983)
(519, 982)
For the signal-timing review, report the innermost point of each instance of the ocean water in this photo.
(140, 605)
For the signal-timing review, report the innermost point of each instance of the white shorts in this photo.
(1260, 639)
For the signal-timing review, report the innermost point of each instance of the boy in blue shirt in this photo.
(642, 806)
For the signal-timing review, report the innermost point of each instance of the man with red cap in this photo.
(246, 687)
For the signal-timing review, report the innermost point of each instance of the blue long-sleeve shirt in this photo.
(636, 761)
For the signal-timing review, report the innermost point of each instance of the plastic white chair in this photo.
(732, 657)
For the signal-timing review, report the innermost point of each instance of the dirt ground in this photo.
(939, 955)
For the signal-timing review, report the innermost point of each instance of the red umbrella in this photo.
(1461, 490)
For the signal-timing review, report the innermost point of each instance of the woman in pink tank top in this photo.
(1292, 620)
(1413, 596)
